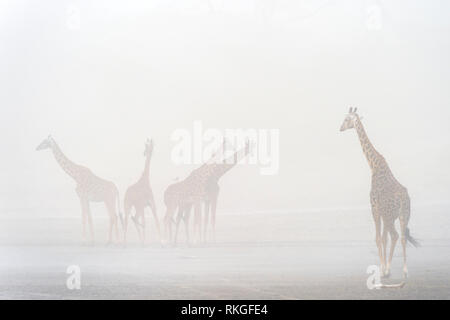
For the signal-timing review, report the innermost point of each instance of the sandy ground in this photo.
(256, 256)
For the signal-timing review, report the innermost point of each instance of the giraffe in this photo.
(178, 196)
(388, 198)
(212, 189)
(90, 188)
(206, 191)
(183, 195)
(139, 196)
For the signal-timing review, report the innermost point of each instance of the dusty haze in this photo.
(102, 76)
(149, 67)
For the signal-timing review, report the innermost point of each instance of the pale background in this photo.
(144, 68)
(102, 76)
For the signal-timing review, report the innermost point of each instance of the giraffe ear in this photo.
(355, 109)
(350, 110)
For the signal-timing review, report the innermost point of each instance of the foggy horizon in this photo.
(150, 100)
(102, 89)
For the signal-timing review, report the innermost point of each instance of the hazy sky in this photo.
(125, 71)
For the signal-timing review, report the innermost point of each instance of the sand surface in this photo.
(255, 256)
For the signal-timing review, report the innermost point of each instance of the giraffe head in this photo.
(46, 144)
(349, 121)
(148, 148)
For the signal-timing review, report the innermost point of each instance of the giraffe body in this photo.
(388, 198)
(212, 196)
(201, 186)
(183, 196)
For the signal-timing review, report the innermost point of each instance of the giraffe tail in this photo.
(411, 240)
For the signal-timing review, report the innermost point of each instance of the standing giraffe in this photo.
(206, 191)
(388, 198)
(139, 196)
(90, 188)
(212, 188)
(177, 196)
(184, 195)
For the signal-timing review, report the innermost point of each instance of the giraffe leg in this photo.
(404, 215)
(403, 241)
(168, 221)
(116, 227)
(111, 222)
(206, 221)
(384, 248)
(213, 218)
(112, 210)
(194, 228)
(197, 222)
(186, 216)
(140, 214)
(394, 237)
(178, 220)
(378, 241)
(155, 215)
(115, 219)
(125, 226)
(135, 220)
(89, 219)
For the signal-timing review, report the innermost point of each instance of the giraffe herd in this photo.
(199, 188)
(388, 198)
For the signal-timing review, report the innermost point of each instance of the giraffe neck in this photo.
(228, 164)
(206, 172)
(68, 166)
(146, 173)
(201, 175)
(372, 155)
(221, 169)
